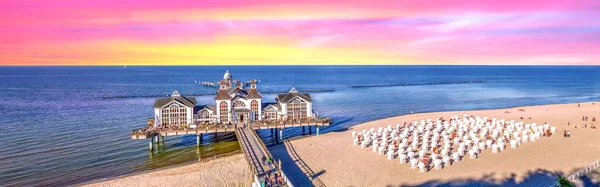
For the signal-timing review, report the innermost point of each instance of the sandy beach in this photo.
(337, 162)
(229, 170)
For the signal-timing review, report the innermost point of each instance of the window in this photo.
(270, 113)
(174, 114)
(205, 115)
(224, 112)
(239, 104)
(254, 108)
(296, 109)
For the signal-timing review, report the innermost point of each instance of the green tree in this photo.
(564, 182)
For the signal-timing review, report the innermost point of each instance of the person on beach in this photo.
(578, 105)
(263, 160)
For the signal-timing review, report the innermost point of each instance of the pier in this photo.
(252, 146)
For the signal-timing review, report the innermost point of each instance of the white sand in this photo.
(225, 171)
(343, 164)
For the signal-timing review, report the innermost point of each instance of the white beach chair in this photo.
(422, 168)
(437, 164)
(475, 149)
(501, 146)
(447, 161)
(472, 154)
(489, 143)
(355, 141)
(381, 150)
(455, 157)
(375, 146)
(482, 146)
(403, 158)
(445, 152)
(353, 134)
(532, 137)
(413, 163)
(390, 155)
(461, 151)
(513, 144)
(495, 148)
(411, 155)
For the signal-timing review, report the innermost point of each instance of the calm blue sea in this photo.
(57, 130)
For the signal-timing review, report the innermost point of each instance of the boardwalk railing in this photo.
(575, 176)
(264, 149)
(244, 143)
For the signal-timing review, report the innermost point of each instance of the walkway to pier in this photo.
(254, 149)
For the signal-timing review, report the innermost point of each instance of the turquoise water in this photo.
(57, 129)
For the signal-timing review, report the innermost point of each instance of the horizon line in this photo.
(165, 65)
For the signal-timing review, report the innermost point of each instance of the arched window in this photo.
(239, 104)
(224, 112)
(174, 114)
(205, 115)
(270, 113)
(254, 108)
(296, 109)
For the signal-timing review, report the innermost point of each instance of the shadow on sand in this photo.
(535, 178)
(298, 172)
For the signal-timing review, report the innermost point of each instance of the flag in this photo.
(234, 116)
(156, 120)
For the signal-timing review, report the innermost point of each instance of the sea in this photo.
(63, 126)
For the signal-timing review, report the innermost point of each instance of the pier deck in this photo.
(226, 128)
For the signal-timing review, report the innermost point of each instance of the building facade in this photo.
(174, 110)
(234, 103)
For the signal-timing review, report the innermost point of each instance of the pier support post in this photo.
(150, 145)
(281, 134)
(302, 130)
(317, 130)
(155, 139)
(309, 130)
(198, 141)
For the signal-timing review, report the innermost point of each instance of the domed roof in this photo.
(227, 76)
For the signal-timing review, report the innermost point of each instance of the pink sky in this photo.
(217, 32)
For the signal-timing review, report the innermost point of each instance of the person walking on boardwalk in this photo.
(263, 160)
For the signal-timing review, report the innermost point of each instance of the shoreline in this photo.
(202, 160)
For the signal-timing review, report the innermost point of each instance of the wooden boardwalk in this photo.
(252, 148)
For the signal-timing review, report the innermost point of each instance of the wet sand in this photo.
(229, 170)
(337, 162)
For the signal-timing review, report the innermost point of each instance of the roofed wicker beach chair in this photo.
(456, 157)
(402, 157)
(413, 163)
(422, 168)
